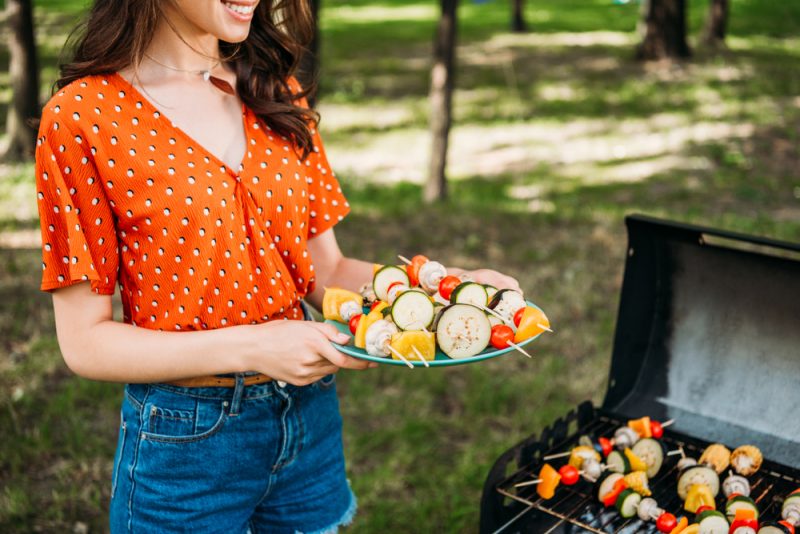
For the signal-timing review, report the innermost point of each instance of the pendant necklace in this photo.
(219, 83)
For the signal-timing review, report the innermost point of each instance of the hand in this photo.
(493, 278)
(299, 352)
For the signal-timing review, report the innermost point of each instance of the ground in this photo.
(558, 135)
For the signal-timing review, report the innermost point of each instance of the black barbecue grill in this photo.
(708, 334)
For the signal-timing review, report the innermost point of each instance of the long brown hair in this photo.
(116, 34)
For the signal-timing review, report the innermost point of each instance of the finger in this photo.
(341, 360)
(324, 370)
(330, 332)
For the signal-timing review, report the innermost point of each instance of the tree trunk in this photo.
(717, 22)
(664, 30)
(310, 62)
(24, 75)
(441, 98)
(518, 17)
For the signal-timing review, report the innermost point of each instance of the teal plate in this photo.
(441, 358)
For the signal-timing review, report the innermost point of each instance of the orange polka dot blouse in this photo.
(125, 197)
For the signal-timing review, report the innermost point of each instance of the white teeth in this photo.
(242, 10)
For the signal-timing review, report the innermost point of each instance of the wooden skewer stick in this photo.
(397, 353)
(420, 356)
(404, 259)
(505, 321)
(528, 483)
(548, 329)
(676, 452)
(519, 349)
(556, 455)
(665, 424)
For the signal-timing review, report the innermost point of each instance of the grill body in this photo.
(707, 334)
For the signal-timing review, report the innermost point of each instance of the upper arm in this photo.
(77, 309)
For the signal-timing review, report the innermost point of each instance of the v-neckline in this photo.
(187, 137)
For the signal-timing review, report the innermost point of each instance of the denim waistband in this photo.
(253, 391)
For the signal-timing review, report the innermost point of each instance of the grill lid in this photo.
(708, 334)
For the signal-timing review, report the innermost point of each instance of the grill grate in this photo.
(575, 509)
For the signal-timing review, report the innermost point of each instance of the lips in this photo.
(241, 10)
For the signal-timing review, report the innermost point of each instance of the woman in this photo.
(179, 160)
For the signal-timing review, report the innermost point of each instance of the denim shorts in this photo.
(258, 458)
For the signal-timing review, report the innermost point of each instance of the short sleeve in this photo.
(79, 241)
(327, 204)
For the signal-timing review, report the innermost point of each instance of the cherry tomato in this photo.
(666, 522)
(747, 523)
(787, 525)
(569, 475)
(372, 306)
(518, 316)
(413, 270)
(656, 429)
(501, 335)
(447, 285)
(605, 444)
(354, 322)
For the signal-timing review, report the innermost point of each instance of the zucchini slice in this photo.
(651, 451)
(490, 290)
(386, 276)
(773, 528)
(713, 522)
(618, 462)
(470, 293)
(412, 310)
(739, 502)
(627, 503)
(462, 330)
(698, 474)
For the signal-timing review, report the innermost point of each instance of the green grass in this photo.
(558, 135)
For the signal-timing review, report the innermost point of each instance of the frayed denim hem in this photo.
(345, 520)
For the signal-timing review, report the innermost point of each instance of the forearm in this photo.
(118, 352)
(347, 273)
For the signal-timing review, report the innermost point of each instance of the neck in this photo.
(182, 45)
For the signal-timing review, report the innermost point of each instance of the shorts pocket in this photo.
(174, 418)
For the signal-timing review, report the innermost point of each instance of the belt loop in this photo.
(237, 395)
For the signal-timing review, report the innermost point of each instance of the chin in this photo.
(235, 18)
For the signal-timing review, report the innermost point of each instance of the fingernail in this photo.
(342, 338)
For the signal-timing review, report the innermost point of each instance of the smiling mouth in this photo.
(244, 9)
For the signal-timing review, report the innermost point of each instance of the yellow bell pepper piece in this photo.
(692, 529)
(699, 495)
(334, 298)
(365, 322)
(531, 323)
(406, 342)
(637, 464)
(579, 455)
